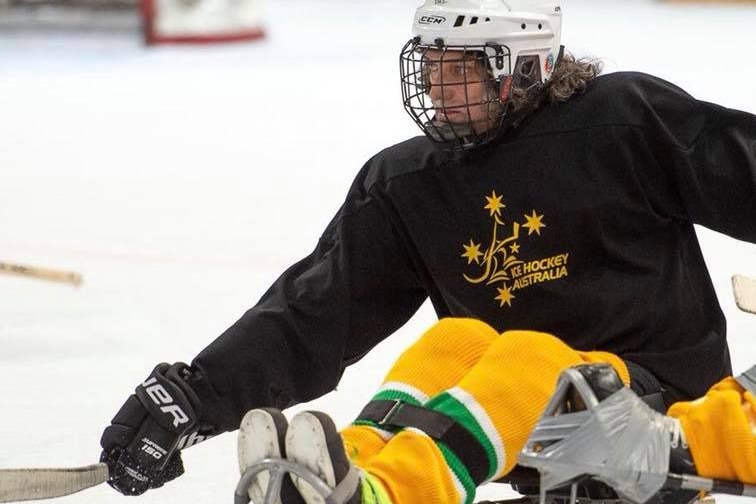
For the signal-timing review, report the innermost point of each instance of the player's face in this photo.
(460, 88)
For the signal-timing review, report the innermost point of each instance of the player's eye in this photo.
(431, 66)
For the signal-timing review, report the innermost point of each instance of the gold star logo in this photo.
(514, 248)
(494, 204)
(534, 223)
(472, 252)
(505, 296)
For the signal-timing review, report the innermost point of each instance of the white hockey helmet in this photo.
(525, 27)
(520, 40)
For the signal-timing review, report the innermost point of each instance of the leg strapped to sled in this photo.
(437, 425)
(593, 428)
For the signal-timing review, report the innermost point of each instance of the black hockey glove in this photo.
(141, 446)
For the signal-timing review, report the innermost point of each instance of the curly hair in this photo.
(570, 77)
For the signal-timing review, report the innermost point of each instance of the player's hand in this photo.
(141, 445)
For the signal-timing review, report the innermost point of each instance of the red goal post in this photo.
(161, 21)
(200, 21)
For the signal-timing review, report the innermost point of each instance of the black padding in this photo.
(438, 426)
(647, 386)
(655, 402)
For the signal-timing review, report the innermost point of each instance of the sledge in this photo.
(533, 478)
(569, 406)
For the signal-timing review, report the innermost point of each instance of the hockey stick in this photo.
(744, 289)
(28, 484)
(53, 275)
(711, 485)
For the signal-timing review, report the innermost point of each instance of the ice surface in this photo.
(180, 181)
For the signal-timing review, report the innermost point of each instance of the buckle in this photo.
(386, 420)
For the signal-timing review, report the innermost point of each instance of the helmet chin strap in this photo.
(446, 132)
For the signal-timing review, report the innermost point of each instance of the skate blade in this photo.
(306, 445)
(258, 440)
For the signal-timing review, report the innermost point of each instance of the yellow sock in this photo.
(412, 469)
(503, 396)
(499, 400)
(721, 431)
(436, 361)
(362, 442)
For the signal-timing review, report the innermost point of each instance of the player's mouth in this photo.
(452, 115)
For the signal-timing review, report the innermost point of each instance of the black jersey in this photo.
(578, 223)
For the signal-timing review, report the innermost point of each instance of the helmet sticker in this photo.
(549, 64)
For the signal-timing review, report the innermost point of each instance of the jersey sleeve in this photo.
(706, 161)
(321, 315)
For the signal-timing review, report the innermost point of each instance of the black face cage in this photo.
(450, 91)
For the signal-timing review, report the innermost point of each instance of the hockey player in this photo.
(439, 435)
(540, 198)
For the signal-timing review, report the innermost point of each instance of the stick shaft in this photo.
(53, 275)
(744, 289)
(717, 486)
(29, 484)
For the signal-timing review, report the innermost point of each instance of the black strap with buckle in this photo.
(438, 426)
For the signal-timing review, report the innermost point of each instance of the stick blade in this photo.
(744, 289)
(29, 484)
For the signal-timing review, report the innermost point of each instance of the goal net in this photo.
(160, 21)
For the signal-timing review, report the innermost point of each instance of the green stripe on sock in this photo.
(392, 395)
(447, 404)
(374, 425)
(459, 470)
